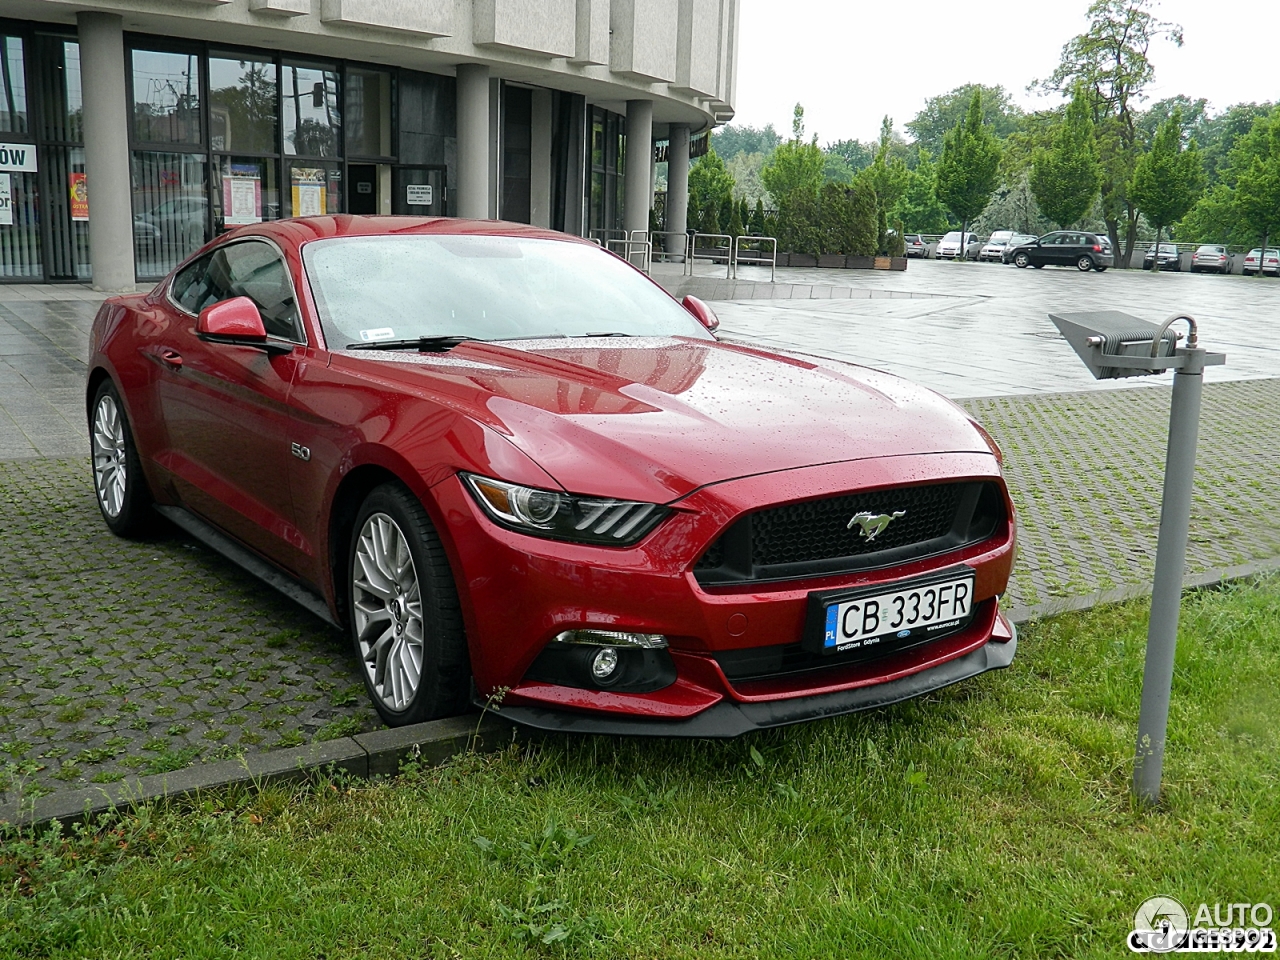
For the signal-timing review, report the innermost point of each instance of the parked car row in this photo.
(1085, 251)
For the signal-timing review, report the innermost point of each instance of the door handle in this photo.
(171, 358)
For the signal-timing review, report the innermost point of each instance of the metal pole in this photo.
(1171, 554)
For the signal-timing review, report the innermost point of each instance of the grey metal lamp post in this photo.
(1112, 345)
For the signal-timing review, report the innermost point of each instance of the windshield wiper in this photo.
(607, 334)
(437, 344)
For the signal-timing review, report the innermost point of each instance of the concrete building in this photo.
(132, 131)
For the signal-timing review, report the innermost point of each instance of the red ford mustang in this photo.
(514, 469)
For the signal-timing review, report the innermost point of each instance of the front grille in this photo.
(813, 538)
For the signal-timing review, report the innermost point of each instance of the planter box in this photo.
(881, 263)
(784, 260)
(898, 263)
(803, 260)
(861, 263)
(832, 261)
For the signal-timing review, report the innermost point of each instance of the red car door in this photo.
(226, 408)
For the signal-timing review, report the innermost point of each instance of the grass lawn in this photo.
(992, 819)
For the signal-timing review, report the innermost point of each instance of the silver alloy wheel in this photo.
(387, 605)
(110, 464)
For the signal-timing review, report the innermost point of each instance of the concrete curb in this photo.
(381, 752)
(1209, 578)
(365, 755)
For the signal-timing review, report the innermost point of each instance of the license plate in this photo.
(885, 618)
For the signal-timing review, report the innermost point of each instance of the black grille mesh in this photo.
(819, 529)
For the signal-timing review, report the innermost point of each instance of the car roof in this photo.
(300, 230)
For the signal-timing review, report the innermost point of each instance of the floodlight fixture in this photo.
(1114, 345)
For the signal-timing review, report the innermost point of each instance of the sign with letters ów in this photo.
(17, 158)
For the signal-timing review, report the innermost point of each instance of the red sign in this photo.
(79, 190)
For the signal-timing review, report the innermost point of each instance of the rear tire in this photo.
(406, 622)
(118, 481)
(1084, 264)
(1101, 269)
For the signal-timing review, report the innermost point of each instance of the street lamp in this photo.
(1113, 345)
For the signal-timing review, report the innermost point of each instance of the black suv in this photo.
(1068, 248)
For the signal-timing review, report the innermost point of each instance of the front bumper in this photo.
(521, 592)
(729, 718)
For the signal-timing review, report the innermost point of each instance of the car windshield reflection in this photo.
(373, 290)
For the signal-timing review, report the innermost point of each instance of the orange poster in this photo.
(79, 196)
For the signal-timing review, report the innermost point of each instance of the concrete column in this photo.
(635, 210)
(540, 160)
(473, 141)
(106, 150)
(678, 179)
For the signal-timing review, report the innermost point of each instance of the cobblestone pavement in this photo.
(123, 657)
(142, 657)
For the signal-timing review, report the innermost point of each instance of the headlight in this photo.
(564, 516)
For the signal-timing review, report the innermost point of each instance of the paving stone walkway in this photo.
(121, 657)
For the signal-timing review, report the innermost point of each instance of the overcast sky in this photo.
(850, 62)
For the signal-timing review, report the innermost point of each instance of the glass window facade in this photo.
(607, 148)
(221, 136)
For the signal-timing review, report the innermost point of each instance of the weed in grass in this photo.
(171, 760)
(339, 727)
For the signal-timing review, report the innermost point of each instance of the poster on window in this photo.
(308, 192)
(242, 195)
(78, 188)
(6, 202)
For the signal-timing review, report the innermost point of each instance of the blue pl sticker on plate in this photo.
(833, 614)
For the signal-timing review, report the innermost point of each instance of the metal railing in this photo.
(671, 250)
(631, 244)
(756, 257)
(715, 254)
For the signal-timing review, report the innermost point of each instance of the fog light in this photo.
(604, 664)
(613, 638)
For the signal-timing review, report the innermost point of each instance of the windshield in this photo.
(1000, 237)
(952, 237)
(369, 289)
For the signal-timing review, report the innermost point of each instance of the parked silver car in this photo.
(949, 246)
(993, 249)
(1210, 256)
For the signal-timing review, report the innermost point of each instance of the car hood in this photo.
(656, 418)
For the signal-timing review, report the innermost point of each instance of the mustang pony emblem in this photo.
(872, 524)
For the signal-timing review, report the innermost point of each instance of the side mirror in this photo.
(702, 312)
(231, 321)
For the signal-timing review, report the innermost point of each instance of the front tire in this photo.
(121, 488)
(406, 622)
(1021, 261)
(1084, 264)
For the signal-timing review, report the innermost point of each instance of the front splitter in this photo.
(732, 719)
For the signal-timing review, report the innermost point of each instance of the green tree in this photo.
(1218, 134)
(710, 183)
(796, 167)
(835, 169)
(919, 208)
(1219, 216)
(1168, 178)
(854, 153)
(847, 220)
(941, 115)
(710, 220)
(887, 179)
(793, 176)
(756, 226)
(1111, 61)
(731, 140)
(1065, 178)
(745, 170)
(736, 228)
(1258, 183)
(970, 166)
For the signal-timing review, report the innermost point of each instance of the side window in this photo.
(248, 269)
(255, 270)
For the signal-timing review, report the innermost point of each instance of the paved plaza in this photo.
(122, 657)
